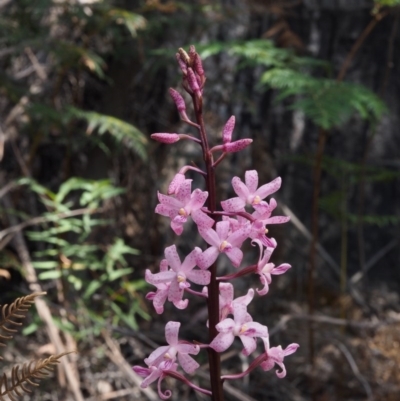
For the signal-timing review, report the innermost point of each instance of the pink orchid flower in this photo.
(226, 301)
(174, 350)
(266, 269)
(248, 194)
(186, 203)
(241, 327)
(176, 278)
(153, 373)
(160, 296)
(222, 241)
(276, 355)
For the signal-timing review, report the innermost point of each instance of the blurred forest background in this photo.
(314, 83)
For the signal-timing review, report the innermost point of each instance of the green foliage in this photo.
(389, 3)
(122, 131)
(69, 254)
(325, 101)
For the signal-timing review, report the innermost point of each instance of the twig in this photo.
(355, 369)
(373, 261)
(7, 188)
(306, 233)
(329, 320)
(116, 356)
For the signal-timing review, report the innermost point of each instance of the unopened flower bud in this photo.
(178, 99)
(165, 138)
(192, 81)
(184, 56)
(192, 53)
(236, 146)
(197, 65)
(228, 129)
(182, 64)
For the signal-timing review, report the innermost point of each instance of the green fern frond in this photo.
(16, 310)
(326, 102)
(31, 374)
(121, 130)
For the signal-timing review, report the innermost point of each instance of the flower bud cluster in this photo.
(245, 217)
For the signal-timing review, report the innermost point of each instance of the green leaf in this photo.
(48, 264)
(50, 275)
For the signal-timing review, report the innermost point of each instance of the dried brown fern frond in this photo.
(16, 310)
(30, 374)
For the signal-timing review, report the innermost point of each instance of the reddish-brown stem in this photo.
(213, 287)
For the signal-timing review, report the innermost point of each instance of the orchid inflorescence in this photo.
(242, 217)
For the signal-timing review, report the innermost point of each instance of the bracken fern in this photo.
(31, 372)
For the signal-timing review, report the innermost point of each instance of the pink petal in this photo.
(235, 255)
(239, 313)
(191, 260)
(207, 258)
(222, 229)
(269, 188)
(228, 129)
(159, 301)
(283, 268)
(201, 277)
(233, 205)
(176, 183)
(265, 289)
(240, 189)
(153, 376)
(276, 220)
(177, 224)
(184, 192)
(189, 365)
(255, 329)
(225, 326)
(222, 342)
(175, 292)
(197, 200)
(251, 180)
(169, 201)
(290, 349)
(226, 293)
(187, 348)
(171, 332)
(245, 299)
(239, 236)
(249, 345)
(141, 371)
(172, 256)
(210, 236)
(202, 220)
(159, 278)
(156, 355)
(181, 304)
